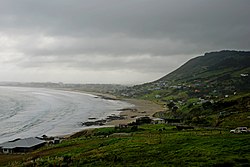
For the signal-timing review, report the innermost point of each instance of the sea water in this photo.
(30, 112)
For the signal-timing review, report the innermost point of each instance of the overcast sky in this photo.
(114, 41)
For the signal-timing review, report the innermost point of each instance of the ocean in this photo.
(29, 112)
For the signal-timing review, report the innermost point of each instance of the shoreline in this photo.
(140, 108)
(137, 108)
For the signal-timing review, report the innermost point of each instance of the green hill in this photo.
(226, 71)
(212, 64)
(198, 92)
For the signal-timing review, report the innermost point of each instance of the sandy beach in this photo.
(141, 108)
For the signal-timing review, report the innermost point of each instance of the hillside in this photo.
(149, 145)
(198, 92)
(211, 65)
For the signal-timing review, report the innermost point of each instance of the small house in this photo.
(244, 75)
(143, 120)
(157, 96)
(123, 126)
(21, 145)
(56, 140)
(173, 121)
(158, 121)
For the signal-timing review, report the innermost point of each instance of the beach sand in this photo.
(141, 108)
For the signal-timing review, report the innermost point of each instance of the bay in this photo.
(29, 112)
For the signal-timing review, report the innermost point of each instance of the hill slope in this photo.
(146, 147)
(199, 91)
(210, 65)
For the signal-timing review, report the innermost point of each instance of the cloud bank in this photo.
(114, 41)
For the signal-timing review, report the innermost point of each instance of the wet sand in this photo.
(141, 108)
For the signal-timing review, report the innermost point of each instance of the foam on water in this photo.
(29, 112)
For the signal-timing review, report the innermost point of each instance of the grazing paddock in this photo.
(150, 145)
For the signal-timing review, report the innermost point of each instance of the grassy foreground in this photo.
(150, 145)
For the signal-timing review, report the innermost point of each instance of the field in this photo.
(150, 145)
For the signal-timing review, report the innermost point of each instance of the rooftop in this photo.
(24, 143)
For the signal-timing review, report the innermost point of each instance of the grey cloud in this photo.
(144, 18)
(142, 63)
(190, 21)
(113, 45)
(138, 35)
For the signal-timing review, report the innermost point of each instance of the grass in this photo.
(152, 145)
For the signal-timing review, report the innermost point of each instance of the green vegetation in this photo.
(152, 145)
(210, 90)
